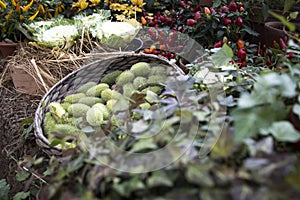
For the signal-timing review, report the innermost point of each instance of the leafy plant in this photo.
(4, 189)
(272, 93)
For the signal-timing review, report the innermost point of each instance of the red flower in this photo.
(197, 15)
(239, 21)
(191, 22)
(232, 6)
(226, 21)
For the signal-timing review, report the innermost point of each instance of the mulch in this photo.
(14, 107)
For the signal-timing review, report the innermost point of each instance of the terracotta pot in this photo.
(8, 49)
(274, 31)
(208, 3)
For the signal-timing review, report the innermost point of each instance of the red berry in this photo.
(239, 21)
(290, 55)
(268, 63)
(282, 44)
(242, 54)
(169, 20)
(218, 44)
(179, 48)
(197, 15)
(162, 18)
(191, 22)
(152, 33)
(232, 6)
(197, 8)
(224, 9)
(226, 21)
(212, 10)
(189, 3)
(192, 10)
(182, 4)
(241, 5)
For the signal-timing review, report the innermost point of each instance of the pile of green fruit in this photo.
(94, 106)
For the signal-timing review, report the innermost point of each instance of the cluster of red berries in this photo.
(164, 43)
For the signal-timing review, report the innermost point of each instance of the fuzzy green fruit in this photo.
(94, 117)
(90, 101)
(57, 110)
(49, 123)
(110, 78)
(103, 109)
(96, 90)
(65, 105)
(156, 79)
(155, 89)
(68, 130)
(125, 77)
(78, 109)
(159, 70)
(110, 104)
(145, 105)
(140, 69)
(108, 94)
(85, 87)
(139, 81)
(128, 90)
(74, 98)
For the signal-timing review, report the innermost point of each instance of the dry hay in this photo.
(47, 66)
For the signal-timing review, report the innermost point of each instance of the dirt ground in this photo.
(14, 107)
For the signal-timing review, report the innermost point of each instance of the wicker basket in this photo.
(91, 72)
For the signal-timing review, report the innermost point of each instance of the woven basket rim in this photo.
(41, 135)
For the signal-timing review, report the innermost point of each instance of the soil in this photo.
(14, 107)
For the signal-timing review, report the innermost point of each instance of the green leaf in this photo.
(288, 4)
(251, 31)
(127, 187)
(4, 189)
(199, 174)
(296, 110)
(22, 175)
(248, 121)
(216, 3)
(265, 11)
(222, 56)
(284, 131)
(144, 144)
(159, 178)
(294, 15)
(283, 20)
(21, 195)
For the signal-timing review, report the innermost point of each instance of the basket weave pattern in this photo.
(91, 72)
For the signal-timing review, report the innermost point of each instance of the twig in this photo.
(38, 74)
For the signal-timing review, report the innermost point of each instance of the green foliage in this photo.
(267, 107)
(21, 195)
(222, 56)
(4, 189)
